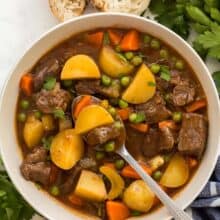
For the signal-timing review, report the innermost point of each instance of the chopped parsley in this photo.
(49, 83)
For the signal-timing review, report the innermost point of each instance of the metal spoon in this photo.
(174, 210)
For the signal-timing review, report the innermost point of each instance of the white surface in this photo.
(21, 22)
(7, 107)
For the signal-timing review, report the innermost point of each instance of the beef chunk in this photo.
(94, 87)
(87, 87)
(38, 172)
(35, 167)
(193, 134)
(166, 139)
(39, 154)
(50, 67)
(48, 101)
(183, 93)
(102, 134)
(155, 109)
(67, 186)
(134, 141)
(150, 145)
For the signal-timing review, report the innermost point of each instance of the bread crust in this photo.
(67, 9)
(127, 6)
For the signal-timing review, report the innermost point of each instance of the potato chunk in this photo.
(138, 196)
(91, 117)
(91, 187)
(67, 149)
(177, 172)
(33, 131)
(80, 67)
(142, 88)
(113, 65)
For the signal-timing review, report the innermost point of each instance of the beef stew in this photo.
(137, 78)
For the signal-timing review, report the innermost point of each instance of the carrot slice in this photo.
(85, 101)
(111, 165)
(196, 105)
(117, 210)
(95, 38)
(131, 41)
(169, 123)
(129, 172)
(114, 36)
(75, 200)
(124, 113)
(192, 162)
(26, 84)
(142, 127)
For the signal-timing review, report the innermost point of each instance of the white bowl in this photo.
(11, 153)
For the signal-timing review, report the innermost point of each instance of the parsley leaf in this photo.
(12, 205)
(49, 83)
(59, 113)
(47, 142)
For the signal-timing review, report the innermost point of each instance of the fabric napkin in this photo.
(207, 204)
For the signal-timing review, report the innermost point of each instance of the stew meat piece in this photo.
(35, 166)
(155, 109)
(50, 67)
(102, 134)
(183, 93)
(48, 101)
(192, 137)
(167, 139)
(91, 87)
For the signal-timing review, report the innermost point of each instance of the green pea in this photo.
(137, 60)
(155, 44)
(119, 164)
(22, 117)
(155, 68)
(140, 117)
(132, 117)
(67, 83)
(99, 155)
(129, 55)
(135, 213)
(177, 116)
(147, 39)
(157, 175)
(125, 80)
(24, 104)
(110, 146)
(37, 114)
(122, 104)
(164, 53)
(179, 65)
(112, 111)
(118, 125)
(54, 190)
(118, 49)
(106, 80)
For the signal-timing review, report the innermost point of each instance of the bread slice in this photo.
(127, 6)
(67, 9)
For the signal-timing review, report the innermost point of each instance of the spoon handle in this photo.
(174, 210)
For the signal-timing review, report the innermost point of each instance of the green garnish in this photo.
(46, 141)
(59, 113)
(153, 84)
(106, 40)
(49, 83)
